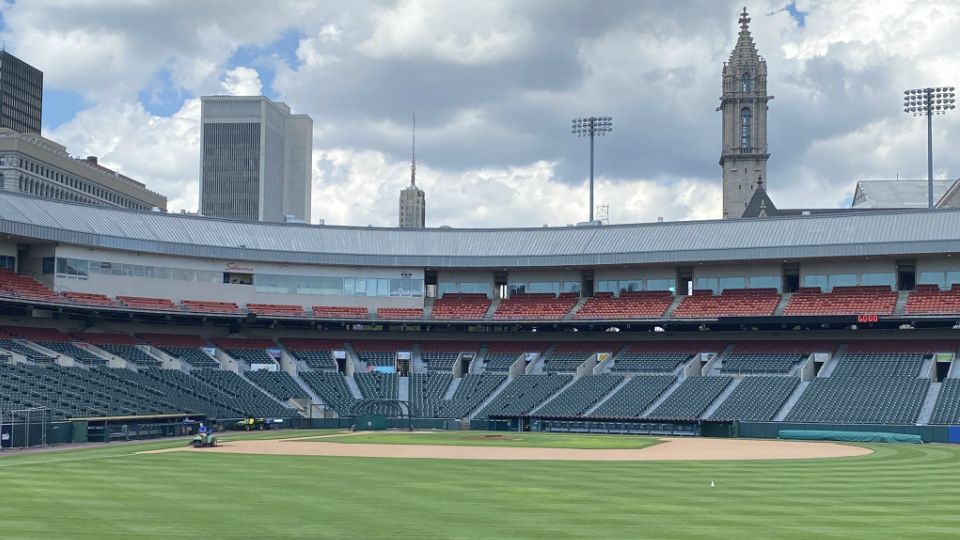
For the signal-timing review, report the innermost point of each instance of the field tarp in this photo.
(849, 436)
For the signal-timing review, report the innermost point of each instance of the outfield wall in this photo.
(771, 430)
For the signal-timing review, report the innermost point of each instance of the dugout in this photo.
(128, 428)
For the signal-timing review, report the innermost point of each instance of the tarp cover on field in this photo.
(849, 436)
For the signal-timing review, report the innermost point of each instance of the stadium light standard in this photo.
(590, 127)
(928, 102)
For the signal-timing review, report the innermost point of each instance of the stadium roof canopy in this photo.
(900, 232)
(897, 193)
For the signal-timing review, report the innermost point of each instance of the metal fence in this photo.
(24, 428)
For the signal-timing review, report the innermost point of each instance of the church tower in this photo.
(744, 106)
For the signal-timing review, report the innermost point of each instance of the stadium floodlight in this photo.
(929, 102)
(590, 127)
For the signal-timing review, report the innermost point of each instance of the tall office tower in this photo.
(21, 94)
(256, 159)
(744, 105)
(413, 202)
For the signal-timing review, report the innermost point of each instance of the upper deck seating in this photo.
(630, 305)
(340, 312)
(12, 284)
(89, 299)
(929, 299)
(535, 306)
(461, 307)
(873, 300)
(400, 313)
(276, 310)
(730, 303)
(142, 302)
(203, 306)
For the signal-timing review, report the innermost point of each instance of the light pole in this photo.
(590, 127)
(928, 102)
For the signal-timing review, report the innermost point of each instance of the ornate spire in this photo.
(413, 153)
(745, 49)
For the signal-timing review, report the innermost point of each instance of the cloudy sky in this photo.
(494, 85)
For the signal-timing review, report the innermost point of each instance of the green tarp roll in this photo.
(849, 436)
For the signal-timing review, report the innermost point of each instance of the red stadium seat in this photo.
(535, 306)
(873, 300)
(731, 303)
(461, 307)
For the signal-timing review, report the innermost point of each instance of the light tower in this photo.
(928, 102)
(590, 127)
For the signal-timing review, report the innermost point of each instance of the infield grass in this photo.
(498, 438)
(113, 492)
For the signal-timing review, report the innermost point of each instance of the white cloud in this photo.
(242, 81)
(457, 32)
(363, 188)
(162, 152)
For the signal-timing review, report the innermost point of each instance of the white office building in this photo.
(256, 159)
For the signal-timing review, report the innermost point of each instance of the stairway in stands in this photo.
(610, 394)
(663, 397)
(791, 401)
(926, 410)
(721, 398)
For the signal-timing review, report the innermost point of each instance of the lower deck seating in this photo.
(130, 353)
(376, 385)
(524, 393)
(193, 356)
(499, 362)
(31, 354)
(470, 394)
(648, 362)
(947, 408)
(73, 392)
(634, 397)
(691, 398)
(426, 393)
(564, 362)
(580, 396)
(756, 399)
(243, 396)
(69, 349)
(278, 384)
(760, 363)
(440, 360)
(893, 364)
(252, 356)
(861, 400)
(332, 388)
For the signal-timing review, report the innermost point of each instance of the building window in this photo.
(745, 129)
(746, 84)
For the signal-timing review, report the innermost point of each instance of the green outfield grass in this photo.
(499, 438)
(112, 492)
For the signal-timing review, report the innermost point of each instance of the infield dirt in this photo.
(671, 449)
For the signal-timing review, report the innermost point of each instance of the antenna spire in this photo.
(413, 153)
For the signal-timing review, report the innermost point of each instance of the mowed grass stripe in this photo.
(897, 491)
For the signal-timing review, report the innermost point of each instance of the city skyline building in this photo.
(413, 201)
(21, 95)
(256, 160)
